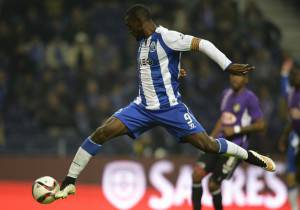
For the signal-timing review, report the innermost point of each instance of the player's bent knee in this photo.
(198, 174)
(213, 186)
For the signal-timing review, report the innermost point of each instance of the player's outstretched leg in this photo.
(113, 127)
(222, 146)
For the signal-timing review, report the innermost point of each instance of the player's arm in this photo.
(282, 143)
(284, 80)
(258, 125)
(285, 89)
(217, 129)
(220, 58)
(180, 42)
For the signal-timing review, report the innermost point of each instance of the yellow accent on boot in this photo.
(270, 164)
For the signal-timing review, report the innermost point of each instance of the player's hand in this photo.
(239, 69)
(182, 73)
(287, 66)
(228, 131)
(67, 188)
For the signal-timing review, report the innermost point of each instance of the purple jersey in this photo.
(294, 109)
(239, 109)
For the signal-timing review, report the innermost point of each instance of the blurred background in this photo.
(67, 65)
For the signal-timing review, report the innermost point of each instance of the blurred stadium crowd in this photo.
(65, 66)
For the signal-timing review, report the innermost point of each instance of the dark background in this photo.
(65, 66)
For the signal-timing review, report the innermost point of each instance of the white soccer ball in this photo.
(44, 189)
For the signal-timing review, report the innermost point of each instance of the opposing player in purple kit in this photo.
(289, 140)
(241, 115)
(159, 102)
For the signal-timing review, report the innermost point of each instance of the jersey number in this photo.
(189, 120)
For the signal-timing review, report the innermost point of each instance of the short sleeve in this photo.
(177, 41)
(254, 108)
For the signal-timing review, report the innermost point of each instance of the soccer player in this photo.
(159, 102)
(240, 116)
(289, 140)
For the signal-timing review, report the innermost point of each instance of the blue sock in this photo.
(90, 146)
(222, 145)
(231, 149)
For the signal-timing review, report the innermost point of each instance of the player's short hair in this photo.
(139, 11)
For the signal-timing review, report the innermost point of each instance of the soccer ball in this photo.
(44, 189)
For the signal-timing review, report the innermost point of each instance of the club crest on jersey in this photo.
(228, 118)
(236, 107)
(152, 47)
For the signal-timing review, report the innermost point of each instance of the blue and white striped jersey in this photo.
(158, 60)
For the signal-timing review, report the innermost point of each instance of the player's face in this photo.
(237, 82)
(135, 27)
